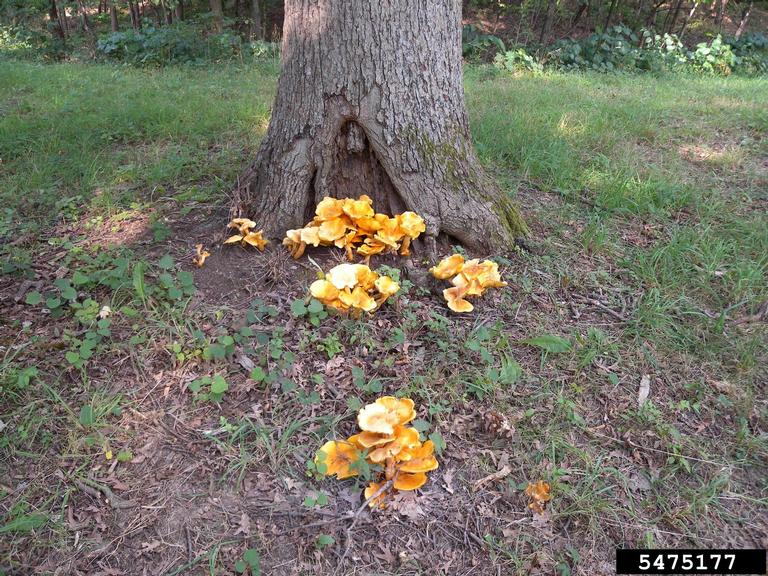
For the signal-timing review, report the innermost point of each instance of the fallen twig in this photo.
(348, 536)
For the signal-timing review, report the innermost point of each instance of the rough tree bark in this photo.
(218, 15)
(745, 12)
(113, 22)
(370, 101)
(256, 28)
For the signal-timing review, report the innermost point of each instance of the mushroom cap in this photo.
(366, 440)
(329, 208)
(386, 286)
(324, 291)
(371, 247)
(368, 224)
(469, 286)
(421, 459)
(366, 278)
(292, 237)
(332, 230)
(357, 298)
(448, 267)
(404, 439)
(256, 239)
(490, 277)
(538, 491)
(378, 418)
(343, 276)
(402, 407)
(242, 224)
(455, 298)
(360, 208)
(311, 235)
(233, 239)
(339, 457)
(411, 224)
(409, 481)
(390, 233)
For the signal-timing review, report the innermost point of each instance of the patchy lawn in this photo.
(648, 201)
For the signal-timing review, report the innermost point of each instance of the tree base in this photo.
(372, 103)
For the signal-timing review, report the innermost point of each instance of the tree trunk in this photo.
(218, 15)
(135, 19)
(547, 21)
(746, 11)
(721, 13)
(53, 14)
(370, 101)
(257, 31)
(114, 25)
(179, 11)
(688, 18)
(675, 16)
(610, 14)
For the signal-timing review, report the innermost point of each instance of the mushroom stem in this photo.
(389, 471)
(404, 247)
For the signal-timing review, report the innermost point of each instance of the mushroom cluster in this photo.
(353, 287)
(469, 278)
(354, 226)
(384, 441)
(246, 235)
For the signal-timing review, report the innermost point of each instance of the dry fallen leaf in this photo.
(503, 473)
(406, 504)
(645, 389)
(244, 526)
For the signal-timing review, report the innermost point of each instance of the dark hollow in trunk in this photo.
(370, 101)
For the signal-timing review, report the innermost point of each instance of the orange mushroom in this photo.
(405, 481)
(455, 298)
(200, 255)
(371, 490)
(324, 291)
(448, 267)
(420, 459)
(357, 298)
(366, 440)
(256, 239)
(539, 494)
(329, 208)
(331, 230)
(338, 459)
(404, 438)
(360, 208)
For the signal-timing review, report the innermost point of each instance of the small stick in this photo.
(93, 488)
(348, 537)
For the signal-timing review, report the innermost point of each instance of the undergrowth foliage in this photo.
(619, 49)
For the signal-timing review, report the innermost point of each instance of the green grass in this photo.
(646, 194)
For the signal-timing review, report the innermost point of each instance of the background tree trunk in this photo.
(218, 15)
(115, 26)
(745, 12)
(257, 29)
(370, 101)
(688, 18)
(53, 14)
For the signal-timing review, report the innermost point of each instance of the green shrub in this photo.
(178, 44)
(518, 60)
(616, 49)
(478, 46)
(715, 57)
